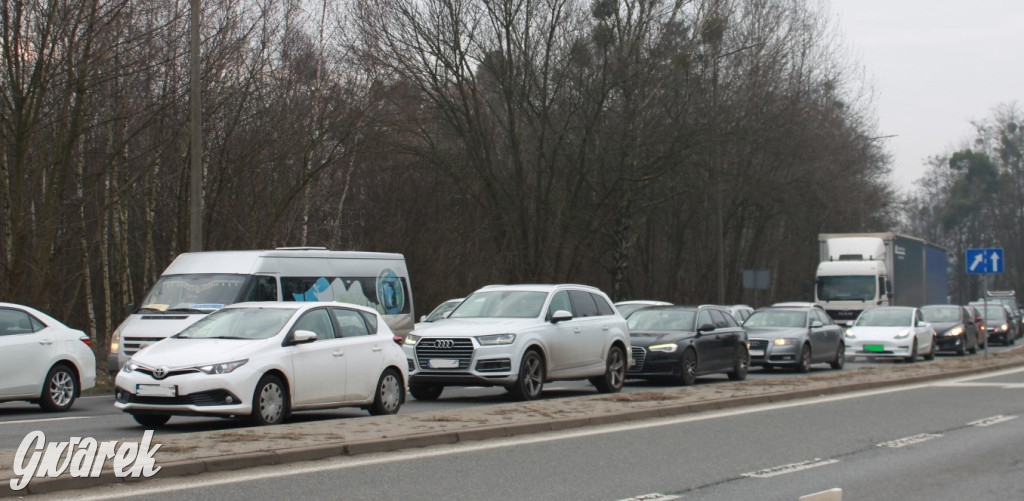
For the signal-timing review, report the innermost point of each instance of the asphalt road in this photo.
(95, 416)
(952, 439)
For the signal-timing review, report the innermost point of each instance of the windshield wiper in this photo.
(186, 310)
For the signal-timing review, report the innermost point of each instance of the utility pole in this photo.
(195, 193)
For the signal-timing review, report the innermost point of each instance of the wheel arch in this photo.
(74, 370)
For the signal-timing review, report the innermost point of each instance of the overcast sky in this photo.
(935, 65)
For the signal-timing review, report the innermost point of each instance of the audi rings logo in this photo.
(444, 344)
(160, 372)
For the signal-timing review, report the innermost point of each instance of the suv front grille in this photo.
(460, 350)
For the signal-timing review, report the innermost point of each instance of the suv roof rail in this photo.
(300, 248)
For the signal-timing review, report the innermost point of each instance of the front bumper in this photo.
(647, 363)
(888, 348)
(949, 343)
(766, 352)
(465, 363)
(194, 393)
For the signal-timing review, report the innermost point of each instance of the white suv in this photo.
(520, 336)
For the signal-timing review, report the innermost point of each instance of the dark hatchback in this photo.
(954, 327)
(683, 342)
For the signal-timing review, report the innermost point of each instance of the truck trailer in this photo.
(862, 270)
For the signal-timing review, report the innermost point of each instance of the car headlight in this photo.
(129, 366)
(411, 340)
(784, 341)
(496, 339)
(664, 348)
(903, 335)
(115, 341)
(848, 333)
(224, 368)
(955, 331)
(1004, 327)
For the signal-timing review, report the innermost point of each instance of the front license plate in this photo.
(874, 347)
(757, 353)
(443, 363)
(156, 390)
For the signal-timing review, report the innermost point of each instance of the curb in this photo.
(475, 431)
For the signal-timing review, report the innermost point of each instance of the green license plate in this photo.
(874, 347)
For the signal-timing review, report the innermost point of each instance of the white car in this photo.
(890, 332)
(441, 311)
(519, 337)
(265, 360)
(626, 308)
(43, 360)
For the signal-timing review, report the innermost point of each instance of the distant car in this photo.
(684, 342)
(263, 361)
(955, 327)
(740, 311)
(43, 360)
(520, 337)
(798, 304)
(442, 310)
(979, 324)
(1008, 299)
(999, 324)
(890, 332)
(794, 337)
(628, 307)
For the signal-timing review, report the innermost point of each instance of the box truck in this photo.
(198, 283)
(861, 270)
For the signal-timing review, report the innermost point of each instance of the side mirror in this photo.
(423, 318)
(560, 316)
(816, 324)
(302, 337)
(924, 324)
(705, 328)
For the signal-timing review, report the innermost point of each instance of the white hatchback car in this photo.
(263, 361)
(519, 337)
(43, 360)
(890, 332)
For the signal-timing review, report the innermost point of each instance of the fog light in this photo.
(229, 400)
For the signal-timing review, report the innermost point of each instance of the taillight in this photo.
(87, 340)
(399, 340)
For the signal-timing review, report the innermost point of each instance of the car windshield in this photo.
(627, 309)
(855, 288)
(441, 310)
(504, 304)
(885, 318)
(193, 292)
(239, 323)
(776, 318)
(656, 319)
(995, 314)
(941, 315)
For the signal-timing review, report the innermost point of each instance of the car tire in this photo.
(913, 354)
(388, 397)
(803, 364)
(614, 373)
(530, 383)
(961, 349)
(740, 365)
(269, 402)
(60, 389)
(151, 420)
(426, 392)
(840, 361)
(931, 352)
(688, 368)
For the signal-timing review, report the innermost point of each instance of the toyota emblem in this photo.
(444, 344)
(160, 372)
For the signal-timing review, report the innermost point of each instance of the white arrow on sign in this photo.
(978, 259)
(995, 261)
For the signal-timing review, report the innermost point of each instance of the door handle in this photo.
(45, 341)
(576, 330)
(377, 348)
(605, 328)
(338, 353)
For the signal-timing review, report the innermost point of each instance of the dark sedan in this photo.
(954, 325)
(794, 337)
(683, 342)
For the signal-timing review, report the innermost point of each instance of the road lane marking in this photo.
(989, 421)
(905, 441)
(1008, 386)
(174, 484)
(654, 496)
(790, 468)
(47, 420)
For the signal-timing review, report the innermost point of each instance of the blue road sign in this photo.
(985, 261)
